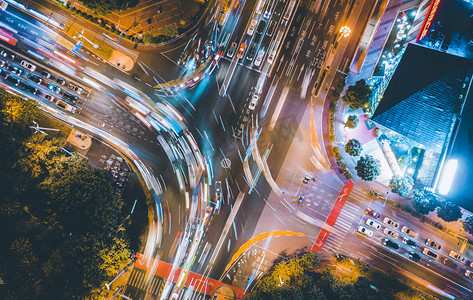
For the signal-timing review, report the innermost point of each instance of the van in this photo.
(251, 28)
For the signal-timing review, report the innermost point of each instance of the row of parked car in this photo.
(390, 231)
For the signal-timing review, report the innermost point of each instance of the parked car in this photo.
(372, 213)
(457, 256)
(54, 88)
(390, 222)
(61, 81)
(363, 230)
(450, 263)
(409, 231)
(390, 244)
(232, 49)
(28, 65)
(391, 233)
(34, 78)
(430, 254)
(432, 244)
(241, 51)
(408, 242)
(373, 224)
(414, 256)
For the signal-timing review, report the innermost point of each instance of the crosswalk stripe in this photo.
(343, 222)
(150, 287)
(351, 205)
(140, 281)
(133, 278)
(347, 215)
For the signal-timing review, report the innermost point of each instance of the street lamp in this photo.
(344, 32)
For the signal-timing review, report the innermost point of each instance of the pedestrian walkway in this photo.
(348, 216)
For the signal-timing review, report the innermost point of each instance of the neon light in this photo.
(448, 175)
(428, 20)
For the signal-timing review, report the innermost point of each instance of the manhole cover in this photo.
(226, 163)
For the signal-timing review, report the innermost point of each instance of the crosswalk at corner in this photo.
(343, 226)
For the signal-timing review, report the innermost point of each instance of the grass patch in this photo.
(104, 50)
(50, 122)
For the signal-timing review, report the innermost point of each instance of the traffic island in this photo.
(80, 141)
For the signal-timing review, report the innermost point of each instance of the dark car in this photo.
(71, 98)
(261, 26)
(35, 78)
(414, 256)
(61, 81)
(251, 53)
(14, 70)
(7, 55)
(46, 74)
(272, 26)
(12, 80)
(390, 244)
(409, 242)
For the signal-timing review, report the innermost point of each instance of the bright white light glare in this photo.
(447, 176)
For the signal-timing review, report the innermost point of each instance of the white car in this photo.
(28, 65)
(373, 224)
(253, 102)
(457, 256)
(270, 58)
(390, 222)
(469, 274)
(391, 233)
(409, 231)
(363, 230)
(430, 254)
(251, 28)
(218, 195)
(259, 58)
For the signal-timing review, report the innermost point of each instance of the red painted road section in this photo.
(333, 216)
(199, 282)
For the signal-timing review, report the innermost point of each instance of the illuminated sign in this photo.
(428, 20)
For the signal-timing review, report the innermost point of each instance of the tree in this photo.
(468, 224)
(368, 168)
(353, 147)
(401, 185)
(424, 202)
(449, 211)
(106, 6)
(148, 38)
(358, 95)
(170, 31)
(352, 121)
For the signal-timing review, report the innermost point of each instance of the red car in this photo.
(241, 51)
(208, 213)
(372, 213)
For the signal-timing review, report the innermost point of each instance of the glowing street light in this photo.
(344, 32)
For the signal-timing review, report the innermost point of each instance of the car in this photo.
(253, 102)
(409, 231)
(32, 90)
(28, 65)
(432, 244)
(408, 242)
(12, 80)
(54, 88)
(70, 97)
(61, 81)
(364, 230)
(457, 256)
(34, 78)
(450, 263)
(390, 222)
(49, 97)
(232, 49)
(414, 256)
(390, 244)
(251, 53)
(267, 13)
(14, 70)
(259, 57)
(102, 124)
(7, 55)
(271, 27)
(373, 224)
(430, 254)
(3, 6)
(271, 56)
(208, 213)
(469, 274)
(241, 51)
(391, 233)
(66, 106)
(251, 28)
(218, 194)
(46, 74)
(372, 213)
(75, 88)
(2, 63)
(261, 26)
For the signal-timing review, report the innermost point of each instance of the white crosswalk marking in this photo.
(343, 226)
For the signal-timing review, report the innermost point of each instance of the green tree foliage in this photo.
(449, 211)
(401, 185)
(63, 231)
(107, 6)
(368, 168)
(170, 31)
(424, 202)
(352, 121)
(358, 95)
(468, 224)
(353, 147)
